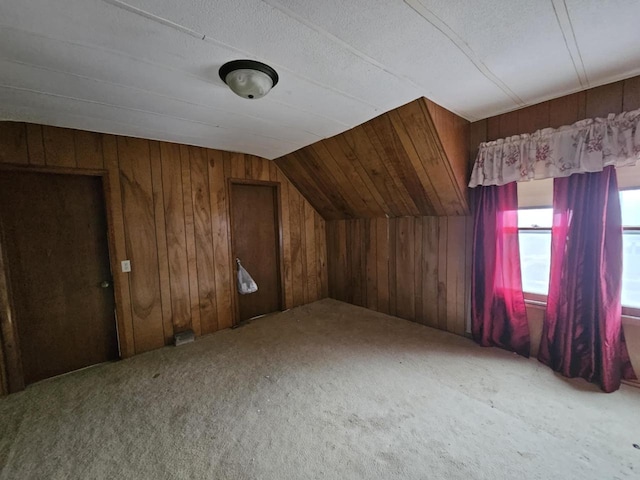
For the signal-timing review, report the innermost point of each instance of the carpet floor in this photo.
(327, 390)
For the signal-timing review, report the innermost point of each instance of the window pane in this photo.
(630, 203)
(535, 258)
(631, 269)
(535, 217)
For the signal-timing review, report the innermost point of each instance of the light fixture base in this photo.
(248, 78)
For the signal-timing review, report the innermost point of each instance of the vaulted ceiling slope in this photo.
(148, 68)
(411, 161)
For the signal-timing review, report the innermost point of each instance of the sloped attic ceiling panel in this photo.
(410, 161)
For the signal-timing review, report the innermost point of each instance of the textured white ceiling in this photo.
(148, 68)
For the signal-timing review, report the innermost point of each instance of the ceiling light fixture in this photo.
(248, 78)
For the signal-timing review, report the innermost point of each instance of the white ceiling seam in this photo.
(208, 38)
(96, 124)
(147, 133)
(11, 87)
(464, 47)
(56, 116)
(400, 39)
(355, 51)
(154, 64)
(159, 95)
(155, 18)
(564, 22)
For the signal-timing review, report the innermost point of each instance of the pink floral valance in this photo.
(586, 146)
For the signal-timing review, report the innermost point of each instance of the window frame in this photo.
(630, 311)
(540, 298)
(530, 297)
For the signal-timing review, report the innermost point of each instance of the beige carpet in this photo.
(327, 391)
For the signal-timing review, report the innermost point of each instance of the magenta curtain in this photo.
(582, 333)
(498, 314)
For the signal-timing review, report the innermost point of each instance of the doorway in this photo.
(256, 242)
(55, 237)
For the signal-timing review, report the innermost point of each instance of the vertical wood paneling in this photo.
(59, 147)
(10, 360)
(192, 265)
(340, 260)
(206, 281)
(237, 164)
(405, 266)
(161, 240)
(604, 100)
(454, 136)
(443, 247)
(631, 94)
(456, 271)
(220, 231)
(140, 236)
(382, 263)
(538, 118)
(563, 111)
(392, 260)
(176, 238)
(296, 225)
(370, 237)
(430, 265)
(468, 267)
(122, 290)
(88, 148)
(310, 252)
(259, 168)
(509, 124)
(286, 239)
(13, 143)
(35, 145)
(596, 102)
(303, 251)
(419, 269)
(168, 213)
(321, 256)
(354, 250)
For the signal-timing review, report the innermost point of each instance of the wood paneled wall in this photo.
(596, 102)
(417, 268)
(169, 215)
(411, 161)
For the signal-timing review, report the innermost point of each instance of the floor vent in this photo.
(183, 337)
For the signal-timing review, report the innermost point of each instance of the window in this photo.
(534, 232)
(630, 203)
(534, 235)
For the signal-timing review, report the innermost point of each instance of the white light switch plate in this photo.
(126, 266)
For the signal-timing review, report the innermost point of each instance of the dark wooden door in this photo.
(255, 242)
(55, 237)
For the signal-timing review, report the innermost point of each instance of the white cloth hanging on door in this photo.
(246, 284)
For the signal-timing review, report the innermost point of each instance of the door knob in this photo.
(105, 284)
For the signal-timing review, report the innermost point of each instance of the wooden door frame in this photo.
(12, 375)
(280, 249)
